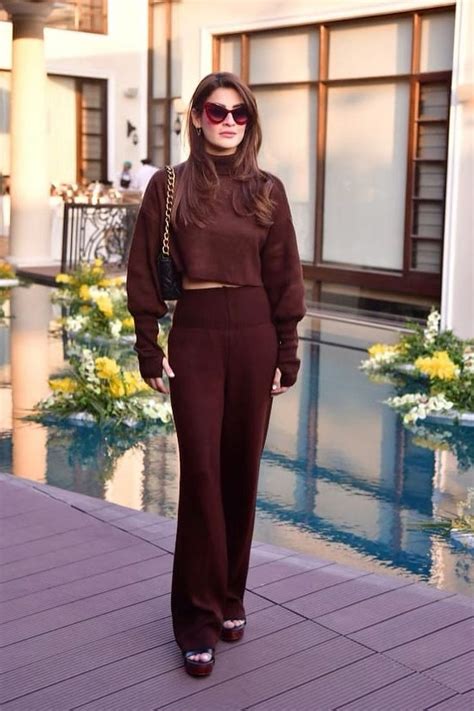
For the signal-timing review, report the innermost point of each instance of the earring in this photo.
(199, 131)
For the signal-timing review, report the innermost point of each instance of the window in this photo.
(76, 127)
(366, 103)
(82, 15)
(164, 23)
(92, 122)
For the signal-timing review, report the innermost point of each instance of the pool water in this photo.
(341, 477)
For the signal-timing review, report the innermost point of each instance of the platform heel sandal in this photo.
(197, 667)
(232, 634)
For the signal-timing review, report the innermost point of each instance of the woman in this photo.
(231, 348)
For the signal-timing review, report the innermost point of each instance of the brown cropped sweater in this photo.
(231, 249)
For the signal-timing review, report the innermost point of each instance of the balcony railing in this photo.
(97, 231)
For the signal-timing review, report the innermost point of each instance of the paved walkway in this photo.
(86, 623)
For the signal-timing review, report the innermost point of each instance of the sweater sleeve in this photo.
(282, 277)
(144, 299)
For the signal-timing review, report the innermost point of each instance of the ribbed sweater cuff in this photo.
(151, 367)
(288, 362)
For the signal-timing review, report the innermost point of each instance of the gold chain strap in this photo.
(169, 205)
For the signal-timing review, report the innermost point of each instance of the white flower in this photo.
(468, 359)
(115, 328)
(74, 324)
(432, 327)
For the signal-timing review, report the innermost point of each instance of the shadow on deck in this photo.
(85, 598)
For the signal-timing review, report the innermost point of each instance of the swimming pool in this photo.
(341, 477)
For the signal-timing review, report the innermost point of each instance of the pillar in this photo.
(457, 298)
(30, 229)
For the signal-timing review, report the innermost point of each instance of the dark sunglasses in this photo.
(217, 113)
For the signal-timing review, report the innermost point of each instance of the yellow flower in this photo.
(104, 304)
(64, 385)
(85, 309)
(98, 262)
(106, 367)
(84, 292)
(116, 387)
(439, 365)
(105, 282)
(6, 270)
(133, 382)
(128, 322)
(63, 278)
(378, 348)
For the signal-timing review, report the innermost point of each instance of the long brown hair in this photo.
(198, 185)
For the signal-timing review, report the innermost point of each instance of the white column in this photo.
(30, 212)
(457, 297)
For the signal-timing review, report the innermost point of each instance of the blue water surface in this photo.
(341, 477)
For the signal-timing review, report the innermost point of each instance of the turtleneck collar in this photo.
(223, 163)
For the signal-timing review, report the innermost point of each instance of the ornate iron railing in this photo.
(97, 231)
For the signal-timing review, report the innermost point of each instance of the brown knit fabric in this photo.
(232, 249)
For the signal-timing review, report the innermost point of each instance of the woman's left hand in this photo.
(277, 389)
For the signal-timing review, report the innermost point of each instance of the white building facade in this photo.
(367, 116)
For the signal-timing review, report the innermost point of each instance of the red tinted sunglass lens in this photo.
(240, 115)
(215, 113)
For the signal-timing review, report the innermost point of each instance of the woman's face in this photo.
(221, 138)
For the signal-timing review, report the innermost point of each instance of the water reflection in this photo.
(30, 367)
(340, 477)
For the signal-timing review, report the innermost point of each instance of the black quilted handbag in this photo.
(170, 278)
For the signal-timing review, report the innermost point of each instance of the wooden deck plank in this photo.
(279, 677)
(130, 671)
(411, 693)
(47, 645)
(42, 546)
(464, 702)
(85, 588)
(345, 594)
(308, 582)
(372, 610)
(339, 687)
(458, 673)
(270, 670)
(84, 560)
(278, 570)
(435, 648)
(86, 622)
(414, 624)
(83, 609)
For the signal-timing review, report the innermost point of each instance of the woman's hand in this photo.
(157, 383)
(277, 389)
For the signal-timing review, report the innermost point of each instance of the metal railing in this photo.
(97, 231)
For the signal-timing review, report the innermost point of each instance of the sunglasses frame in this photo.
(213, 120)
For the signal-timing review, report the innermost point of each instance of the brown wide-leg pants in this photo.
(223, 349)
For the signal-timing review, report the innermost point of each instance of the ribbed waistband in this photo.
(222, 307)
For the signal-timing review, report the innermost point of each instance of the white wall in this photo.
(119, 56)
(457, 303)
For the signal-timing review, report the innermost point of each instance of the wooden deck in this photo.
(85, 597)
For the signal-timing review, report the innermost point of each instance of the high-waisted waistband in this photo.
(222, 307)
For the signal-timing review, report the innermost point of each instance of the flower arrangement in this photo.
(96, 305)
(443, 366)
(98, 390)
